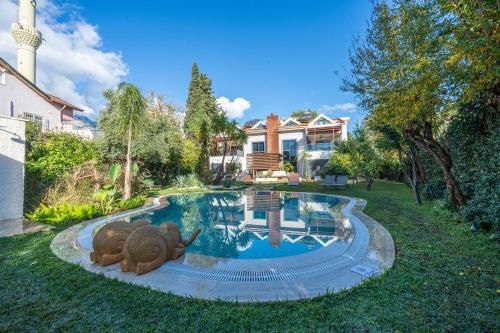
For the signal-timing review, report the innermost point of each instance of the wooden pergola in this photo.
(328, 133)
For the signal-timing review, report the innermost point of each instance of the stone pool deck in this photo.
(249, 280)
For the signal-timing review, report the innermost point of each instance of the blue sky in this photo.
(279, 55)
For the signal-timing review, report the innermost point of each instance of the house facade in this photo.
(20, 98)
(275, 141)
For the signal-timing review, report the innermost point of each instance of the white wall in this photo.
(300, 138)
(18, 97)
(12, 147)
(247, 148)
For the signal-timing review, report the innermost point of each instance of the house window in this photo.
(289, 150)
(258, 147)
(259, 215)
(3, 75)
(322, 121)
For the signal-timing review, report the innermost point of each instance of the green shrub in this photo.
(333, 168)
(106, 199)
(227, 183)
(483, 207)
(49, 156)
(64, 213)
(185, 181)
(74, 213)
(434, 187)
(132, 203)
(288, 167)
(233, 168)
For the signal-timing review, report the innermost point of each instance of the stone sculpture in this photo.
(109, 240)
(148, 247)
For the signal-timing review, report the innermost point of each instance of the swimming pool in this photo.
(254, 245)
(257, 224)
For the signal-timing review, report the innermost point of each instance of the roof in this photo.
(334, 121)
(250, 123)
(289, 119)
(49, 98)
(60, 101)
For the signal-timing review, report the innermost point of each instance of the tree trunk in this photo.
(220, 171)
(127, 187)
(409, 169)
(369, 182)
(426, 141)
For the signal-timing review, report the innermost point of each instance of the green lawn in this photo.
(445, 278)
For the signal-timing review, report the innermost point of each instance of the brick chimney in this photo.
(272, 135)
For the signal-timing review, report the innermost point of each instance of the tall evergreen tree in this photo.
(201, 110)
(193, 101)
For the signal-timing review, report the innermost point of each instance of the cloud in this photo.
(71, 62)
(234, 109)
(345, 107)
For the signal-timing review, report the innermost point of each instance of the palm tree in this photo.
(131, 107)
(230, 134)
(305, 156)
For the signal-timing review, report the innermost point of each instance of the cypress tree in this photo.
(193, 102)
(201, 108)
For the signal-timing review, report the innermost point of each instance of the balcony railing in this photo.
(231, 152)
(322, 146)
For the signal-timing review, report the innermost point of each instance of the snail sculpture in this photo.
(109, 240)
(149, 246)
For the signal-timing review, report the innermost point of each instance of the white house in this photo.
(20, 98)
(274, 142)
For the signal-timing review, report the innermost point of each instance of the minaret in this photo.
(28, 39)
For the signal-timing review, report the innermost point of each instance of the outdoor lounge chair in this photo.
(341, 181)
(293, 179)
(329, 181)
(336, 181)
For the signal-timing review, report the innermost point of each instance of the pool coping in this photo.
(193, 276)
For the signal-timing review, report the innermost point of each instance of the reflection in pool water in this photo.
(262, 224)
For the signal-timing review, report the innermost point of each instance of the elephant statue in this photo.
(109, 240)
(148, 247)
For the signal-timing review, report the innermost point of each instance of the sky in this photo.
(263, 56)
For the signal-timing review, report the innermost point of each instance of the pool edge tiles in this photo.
(322, 273)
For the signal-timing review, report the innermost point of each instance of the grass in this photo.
(445, 278)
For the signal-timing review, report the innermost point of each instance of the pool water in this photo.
(254, 225)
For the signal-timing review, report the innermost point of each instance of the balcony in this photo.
(230, 152)
(323, 146)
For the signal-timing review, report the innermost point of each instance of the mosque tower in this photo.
(28, 39)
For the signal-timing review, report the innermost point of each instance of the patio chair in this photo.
(341, 181)
(293, 179)
(329, 181)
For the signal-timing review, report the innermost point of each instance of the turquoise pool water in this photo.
(261, 224)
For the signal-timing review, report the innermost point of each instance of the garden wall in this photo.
(12, 149)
